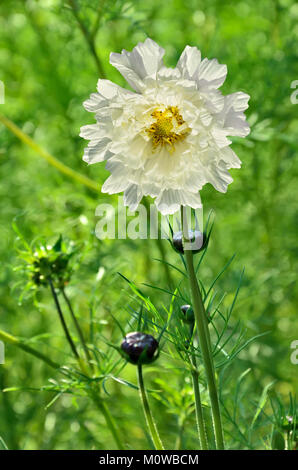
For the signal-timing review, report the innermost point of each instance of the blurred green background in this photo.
(48, 68)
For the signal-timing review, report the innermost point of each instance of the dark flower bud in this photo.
(197, 241)
(188, 314)
(139, 348)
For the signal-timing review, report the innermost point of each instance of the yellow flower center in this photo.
(169, 127)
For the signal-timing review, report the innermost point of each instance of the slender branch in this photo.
(88, 37)
(147, 411)
(3, 444)
(97, 19)
(179, 439)
(77, 325)
(160, 246)
(199, 409)
(203, 335)
(47, 156)
(63, 323)
(8, 338)
(109, 419)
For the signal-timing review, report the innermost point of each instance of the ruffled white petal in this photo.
(94, 103)
(115, 183)
(169, 201)
(230, 158)
(110, 90)
(232, 115)
(220, 137)
(97, 151)
(218, 175)
(167, 73)
(92, 131)
(144, 61)
(211, 74)
(189, 62)
(106, 91)
(132, 197)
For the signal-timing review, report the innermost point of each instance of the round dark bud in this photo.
(139, 348)
(188, 314)
(197, 241)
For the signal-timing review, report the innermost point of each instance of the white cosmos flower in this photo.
(169, 137)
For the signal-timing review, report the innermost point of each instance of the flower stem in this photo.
(181, 422)
(8, 338)
(108, 418)
(162, 251)
(88, 37)
(199, 409)
(63, 323)
(204, 337)
(77, 325)
(160, 246)
(148, 415)
(66, 170)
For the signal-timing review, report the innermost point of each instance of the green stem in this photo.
(199, 408)
(66, 170)
(108, 418)
(160, 246)
(77, 325)
(204, 337)
(179, 439)
(147, 411)
(63, 323)
(162, 251)
(8, 338)
(88, 37)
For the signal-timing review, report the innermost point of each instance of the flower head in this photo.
(50, 263)
(169, 137)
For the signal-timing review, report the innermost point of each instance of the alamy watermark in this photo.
(2, 352)
(294, 355)
(294, 95)
(2, 92)
(145, 223)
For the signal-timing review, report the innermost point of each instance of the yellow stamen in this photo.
(165, 130)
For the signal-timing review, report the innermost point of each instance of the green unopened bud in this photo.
(139, 348)
(288, 423)
(51, 263)
(197, 241)
(188, 314)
